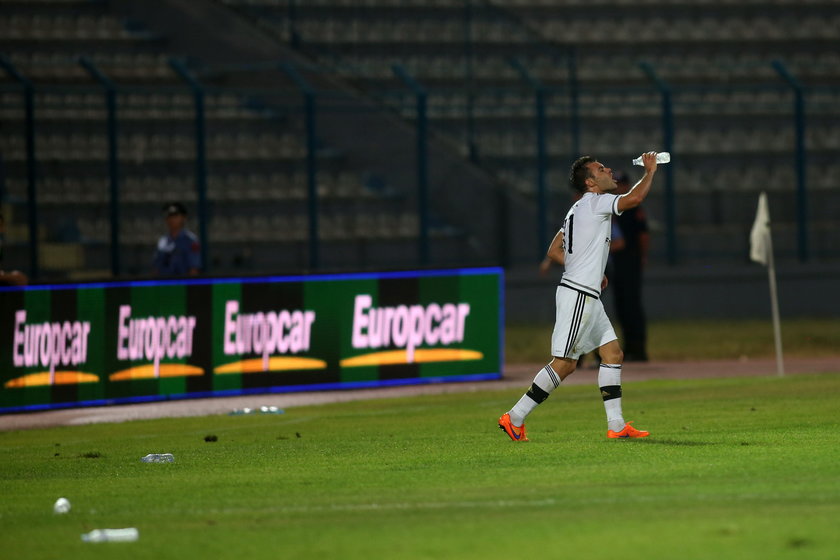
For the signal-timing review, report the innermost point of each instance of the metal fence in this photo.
(92, 164)
(729, 141)
(74, 152)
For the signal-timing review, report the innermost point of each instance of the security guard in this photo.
(178, 252)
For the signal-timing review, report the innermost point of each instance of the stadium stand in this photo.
(481, 64)
(733, 112)
(256, 156)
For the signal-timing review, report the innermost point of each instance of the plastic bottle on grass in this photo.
(129, 534)
(661, 157)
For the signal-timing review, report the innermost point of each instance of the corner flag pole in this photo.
(774, 306)
(761, 251)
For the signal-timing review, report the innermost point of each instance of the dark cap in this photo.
(174, 208)
(621, 177)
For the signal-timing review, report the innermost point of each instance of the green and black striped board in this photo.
(94, 344)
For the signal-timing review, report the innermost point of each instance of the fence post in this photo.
(503, 225)
(542, 156)
(294, 36)
(200, 155)
(113, 161)
(472, 151)
(31, 187)
(311, 161)
(668, 145)
(574, 103)
(801, 158)
(422, 161)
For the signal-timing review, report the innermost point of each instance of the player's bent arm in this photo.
(638, 193)
(555, 251)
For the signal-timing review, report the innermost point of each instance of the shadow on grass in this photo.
(680, 442)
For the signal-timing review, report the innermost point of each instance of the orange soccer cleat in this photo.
(516, 434)
(627, 432)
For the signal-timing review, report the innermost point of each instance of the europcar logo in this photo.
(50, 346)
(269, 335)
(154, 339)
(404, 329)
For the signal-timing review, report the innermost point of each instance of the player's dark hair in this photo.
(579, 173)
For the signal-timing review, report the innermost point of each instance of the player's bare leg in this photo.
(564, 367)
(609, 381)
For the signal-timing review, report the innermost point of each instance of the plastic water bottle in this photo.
(158, 458)
(129, 534)
(661, 157)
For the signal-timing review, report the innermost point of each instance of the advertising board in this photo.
(105, 343)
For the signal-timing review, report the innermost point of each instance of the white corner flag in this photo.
(761, 251)
(760, 242)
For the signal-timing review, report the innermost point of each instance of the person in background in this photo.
(14, 277)
(628, 262)
(178, 252)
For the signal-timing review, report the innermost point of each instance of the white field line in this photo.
(395, 506)
(520, 504)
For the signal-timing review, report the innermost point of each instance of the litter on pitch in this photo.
(62, 505)
(158, 458)
(129, 534)
(260, 410)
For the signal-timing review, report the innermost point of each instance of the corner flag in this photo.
(761, 251)
(760, 242)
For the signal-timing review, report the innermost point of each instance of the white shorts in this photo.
(581, 324)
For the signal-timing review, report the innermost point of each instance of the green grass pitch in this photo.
(735, 468)
(699, 339)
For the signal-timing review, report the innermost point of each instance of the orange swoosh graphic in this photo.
(148, 372)
(421, 355)
(41, 379)
(276, 363)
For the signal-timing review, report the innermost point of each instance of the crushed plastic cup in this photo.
(158, 458)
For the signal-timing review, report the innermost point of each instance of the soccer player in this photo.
(581, 324)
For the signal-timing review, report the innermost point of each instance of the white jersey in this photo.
(586, 241)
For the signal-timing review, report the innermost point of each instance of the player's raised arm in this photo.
(638, 193)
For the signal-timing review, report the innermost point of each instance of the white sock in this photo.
(544, 383)
(609, 380)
